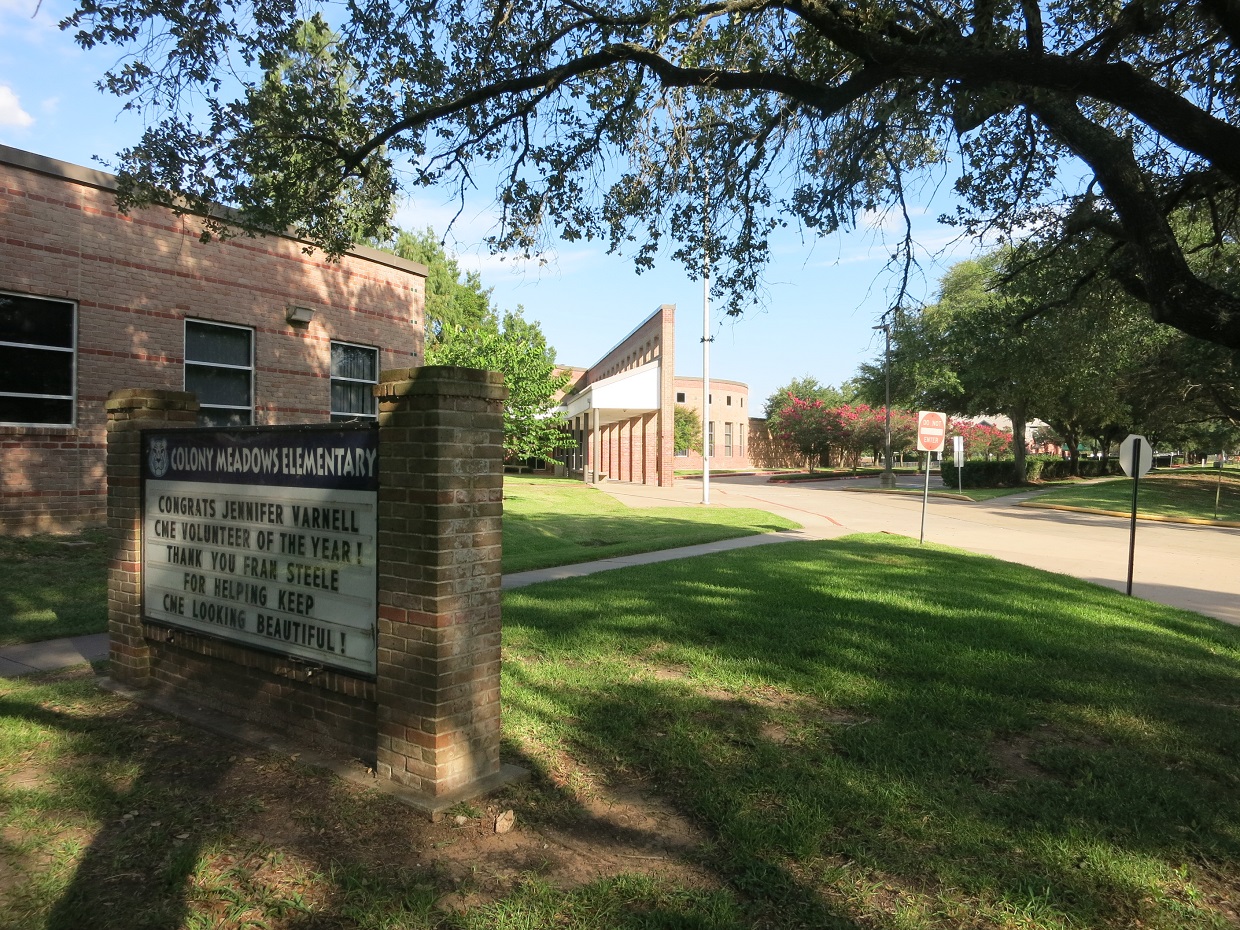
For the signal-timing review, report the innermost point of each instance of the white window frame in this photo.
(186, 362)
(727, 440)
(73, 370)
(332, 378)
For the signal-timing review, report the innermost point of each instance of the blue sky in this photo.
(823, 295)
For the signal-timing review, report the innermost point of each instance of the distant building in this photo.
(621, 411)
(92, 300)
(727, 435)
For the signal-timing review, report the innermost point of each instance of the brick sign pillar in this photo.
(129, 412)
(440, 508)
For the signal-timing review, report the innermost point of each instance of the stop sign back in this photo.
(931, 430)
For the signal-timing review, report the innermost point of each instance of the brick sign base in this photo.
(428, 723)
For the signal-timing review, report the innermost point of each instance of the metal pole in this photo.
(887, 479)
(1218, 491)
(887, 398)
(925, 499)
(706, 340)
(1136, 482)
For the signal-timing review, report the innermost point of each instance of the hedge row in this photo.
(999, 473)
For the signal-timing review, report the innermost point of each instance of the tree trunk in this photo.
(1018, 415)
(1074, 452)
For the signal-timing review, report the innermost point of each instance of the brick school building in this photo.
(92, 300)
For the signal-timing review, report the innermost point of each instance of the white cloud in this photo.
(11, 112)
(470, 226)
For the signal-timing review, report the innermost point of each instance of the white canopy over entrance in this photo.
(624, 395)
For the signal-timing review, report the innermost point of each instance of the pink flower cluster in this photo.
(824, 433)
(981, 440)
(836, 434)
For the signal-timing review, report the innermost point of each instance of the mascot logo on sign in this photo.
(159, 457)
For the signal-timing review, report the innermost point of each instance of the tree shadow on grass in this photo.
(1128, 713)
(188, 828)
(855, 740)
(111, 776)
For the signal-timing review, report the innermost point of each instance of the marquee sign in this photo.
(267, 537)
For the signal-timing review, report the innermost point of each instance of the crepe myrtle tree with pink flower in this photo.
(809, 427)
(982, 440)
(845, 430)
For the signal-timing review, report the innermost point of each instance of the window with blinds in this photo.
(219, 369)
(355, 372)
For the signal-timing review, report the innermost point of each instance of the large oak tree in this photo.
(626, 121)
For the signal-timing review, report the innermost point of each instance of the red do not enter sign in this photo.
(931, 431)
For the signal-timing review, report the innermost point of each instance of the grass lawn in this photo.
(52, 586)
(861, 733)
(1175, 494)
(551, 522)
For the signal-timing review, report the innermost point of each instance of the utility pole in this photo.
(707, 339)
(888, 477)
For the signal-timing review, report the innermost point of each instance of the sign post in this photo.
(958, 456)
(1135, 457)
(931, 434)
(1218, 490)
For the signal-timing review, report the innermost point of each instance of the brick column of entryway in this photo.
(440, 508)
(129, 412)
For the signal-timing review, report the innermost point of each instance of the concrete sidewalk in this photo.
(581, 569)
(52, 654)
(59, 653)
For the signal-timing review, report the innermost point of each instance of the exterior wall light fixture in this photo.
(299, 316)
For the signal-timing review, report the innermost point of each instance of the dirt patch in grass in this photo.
(1012, 756)
(1015, 756)
(235, 834)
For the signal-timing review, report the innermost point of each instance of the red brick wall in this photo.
(721, 412)
(329, 709)
(135, 280)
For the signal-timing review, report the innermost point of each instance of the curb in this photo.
(913, 492)
(1152, 517)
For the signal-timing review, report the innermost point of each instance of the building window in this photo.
(727, 439)
(740, 445)
(680, 397)
(37, 361)
(710, 440)
(219, 369)
(729, 400)
(355, 372)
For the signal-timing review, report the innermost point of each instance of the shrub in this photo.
(978, 473)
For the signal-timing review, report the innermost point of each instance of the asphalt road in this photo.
(1195, 567)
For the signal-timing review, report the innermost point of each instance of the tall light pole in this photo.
(706, 341)
(888, 478)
